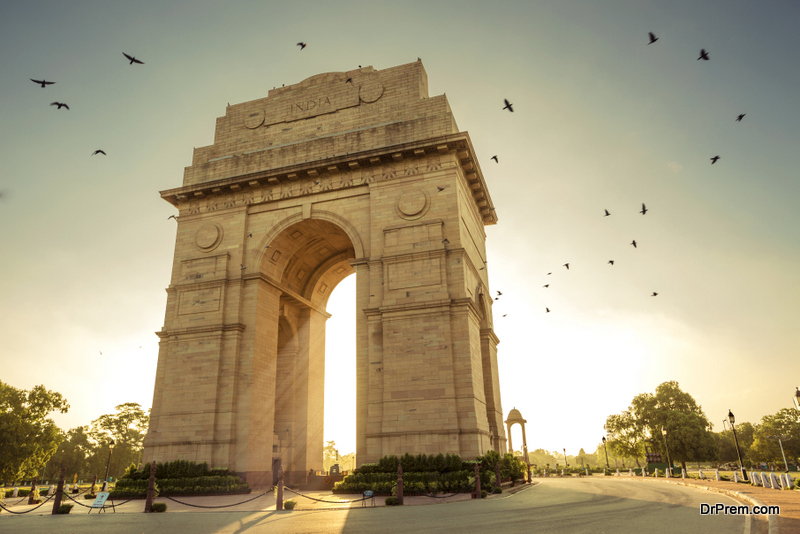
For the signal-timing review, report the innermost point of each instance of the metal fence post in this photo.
(279, 499)
(151, 489)
(59, 489)
(399, 484)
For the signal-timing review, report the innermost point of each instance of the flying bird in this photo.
(548, 274)
(654, 294)
(41, 82)
(349, 80)
(565, 265)
(508, 106)
(546, 285)
(505, 315)
(703, 54)
(644, 209)
(482, 268)
(250, 235)
(713, 160)
(440, 188)
(547, 310)
(172, 217)
(607, 214)
(499, 293)
(133, 59)
(633, 243)
(495, 159)
(302, 45)
(740, 117)
(446, 241)
(98, 151)
(60, 105)
(242, 266)
(611, 262)
(653, 38)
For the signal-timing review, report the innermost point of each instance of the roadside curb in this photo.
(773, 519)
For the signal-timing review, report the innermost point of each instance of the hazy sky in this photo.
(602, 121)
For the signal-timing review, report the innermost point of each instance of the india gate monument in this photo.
(357, 171)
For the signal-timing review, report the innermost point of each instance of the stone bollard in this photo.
(668, 472)
(683, 473)
(774, 481)
(15, 493)
(105, 485)
(151, 489)
(789, 480)
(497, 482)
(655, 473)
(32, 494)
(700, 474)
(400, 484)
(60, 490)
(562, 472)
(765, 481)
(754, 479)
(717, 475)
(735, 476)
(617, 471)
(94, 481)
(630, 471)
(279, 498)
(477, 481)
(644, 472)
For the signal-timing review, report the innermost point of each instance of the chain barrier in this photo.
(461, 490)
(321, 500)
(222, 506)
(104, 507)
(27, 511)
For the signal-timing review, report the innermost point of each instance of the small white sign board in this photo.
(100, 501)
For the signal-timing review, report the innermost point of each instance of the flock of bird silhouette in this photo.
(44, 83)
(509, 106)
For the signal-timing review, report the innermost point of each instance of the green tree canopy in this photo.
(784, 423)
(127, 429)
(27, 437)
(689, 435)
(625, 435)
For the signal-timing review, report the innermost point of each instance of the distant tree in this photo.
(127, 429)
(786, 422)
(689, 433)
(625, 435)
(74, 453)
(27, 437)
(330, 455)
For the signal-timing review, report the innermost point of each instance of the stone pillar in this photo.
(399, 484)
(279, 498)
(477, 481)
(683, 473)
(60, 490)
(32, 494)
(15, 493)
(717, 475)
(151, 488)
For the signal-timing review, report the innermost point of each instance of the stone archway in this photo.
(300, 189)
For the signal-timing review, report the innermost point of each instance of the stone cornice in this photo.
(458, 143)
(232, 327)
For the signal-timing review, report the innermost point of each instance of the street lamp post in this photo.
(732, 420)
(666, 446)
(566, 463)
(780, 442)
(108, 464)
(606, 449)
(796, 398)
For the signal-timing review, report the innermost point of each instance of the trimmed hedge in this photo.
(422, 483)
(180, 477)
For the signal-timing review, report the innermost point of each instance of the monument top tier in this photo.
(332, 122)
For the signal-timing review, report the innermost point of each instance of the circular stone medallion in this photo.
(208, 237)
(370, 91)
(412, 204)
(254, 119)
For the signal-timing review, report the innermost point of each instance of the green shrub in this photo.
(65, 508)
(89, 496)
(484, 493)
(497, 490)
(391, 501)
(289, 505)
(158, 507)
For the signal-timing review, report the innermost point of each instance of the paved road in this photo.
(555, 506)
